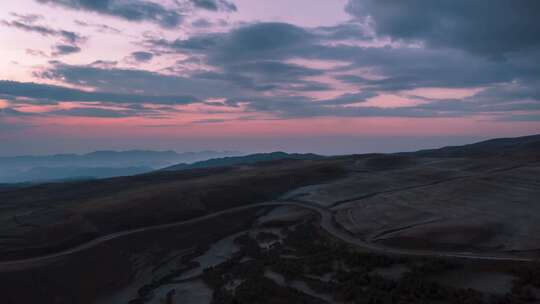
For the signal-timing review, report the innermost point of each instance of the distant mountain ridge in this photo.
(244, 160)
(529, 145)
(98, 164)
(103, 164)
(124, 156)
(38, 174)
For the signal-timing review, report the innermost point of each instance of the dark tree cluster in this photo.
(248, 246)
(266, 237)
(263, 291)
(305, 240)
(350, 276)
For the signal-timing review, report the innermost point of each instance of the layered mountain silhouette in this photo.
(244, 160)
(99, 164)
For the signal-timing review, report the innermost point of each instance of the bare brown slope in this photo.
(527, 146)
(46, 218)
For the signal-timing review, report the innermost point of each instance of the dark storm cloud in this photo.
(487, 27)
(72, 36)
(252, 56)
(261, 41)
(92, 112)
(136, 10)
(206, 24)
(67, 36)
(255, 60)
(215, 5)
(58, 93)
(343, 31)
(402, 68)
(143, 10)
(347, 99)
(268, 75)
(515, 91)
(262, 82)
(194, 44)
(274, 69)
(133, 81)
(302, 107)
(410, 68)
(248, 57)
(201, 23)
(504, 100)
(257, 41)
(65, 49)
(142, 56)
(342, 106)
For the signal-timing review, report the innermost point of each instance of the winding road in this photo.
(326, 223)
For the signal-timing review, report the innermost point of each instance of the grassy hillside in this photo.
(494, 147)
(47, 217)
(244, 160)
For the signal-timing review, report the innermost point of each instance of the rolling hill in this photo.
(493, 147)
(243, 160)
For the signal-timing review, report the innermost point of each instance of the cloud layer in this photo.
(210, 66)
(142, 10)
(69, 40)
(490, 28)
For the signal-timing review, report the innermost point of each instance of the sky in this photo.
(323, 76)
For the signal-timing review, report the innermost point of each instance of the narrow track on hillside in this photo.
(433, 183)
(372, 194)
(326, 223)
